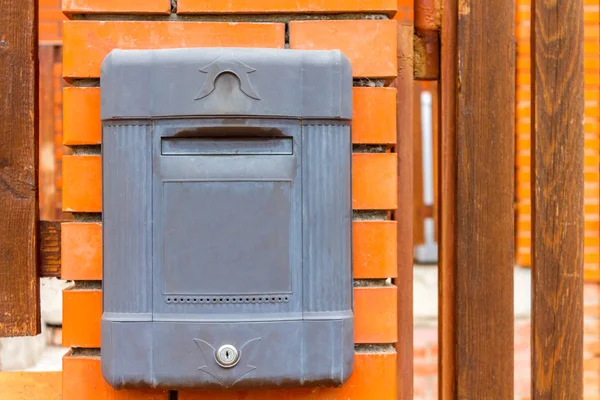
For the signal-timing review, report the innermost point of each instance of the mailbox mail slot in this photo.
(226, 218)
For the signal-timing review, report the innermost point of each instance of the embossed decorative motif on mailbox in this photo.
(226, 218)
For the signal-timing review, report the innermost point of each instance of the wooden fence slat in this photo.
(404, 148)
(484, 200)
(19, 287)
(557, 199)
(477, 273)
(446, 198)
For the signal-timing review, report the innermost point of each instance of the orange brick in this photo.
(375, 249)
(591, 63)
(592, 310)
(86, 43)
(82, 379)
(592, 364)
(82, 310)
(48, 31)
(371, 45)
(373, 378)
(30, 385)
(49, 3)
(374, 119)
(591, 274)
(51, 14)
(405, 14)
(523, 259)
(82, 184)
(81, 116)
(117, 6)
(376, 314)
(285, 6)
(419, 352)
(81, 251)
(591, 326)
(374, 181)
(426, 368)
(592, 347)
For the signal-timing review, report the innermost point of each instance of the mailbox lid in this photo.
(171, 83)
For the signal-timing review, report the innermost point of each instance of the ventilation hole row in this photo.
(226, 300)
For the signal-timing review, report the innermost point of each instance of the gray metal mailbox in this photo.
(226, 218)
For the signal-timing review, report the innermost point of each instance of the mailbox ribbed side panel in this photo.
(327, 217)
(127, 250)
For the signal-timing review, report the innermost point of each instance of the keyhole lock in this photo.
(227, 356)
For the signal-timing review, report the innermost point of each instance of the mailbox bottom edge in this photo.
(224, 355)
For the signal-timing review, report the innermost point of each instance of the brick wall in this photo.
(365, 32)
(50, 21)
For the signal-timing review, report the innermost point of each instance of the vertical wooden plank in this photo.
(19, 288)
(47, 168)
(403, 214)
(477, 192)
(484, 199)
(557, 198)
(447, 185)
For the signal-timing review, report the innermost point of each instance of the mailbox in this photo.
(226, 218)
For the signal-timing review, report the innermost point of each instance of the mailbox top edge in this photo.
(246, 82)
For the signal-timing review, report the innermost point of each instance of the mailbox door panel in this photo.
(227, 220)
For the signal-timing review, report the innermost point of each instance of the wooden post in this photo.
(557, 198)
(404, 212)
(447, 187)
(477, 196)
(19, 287)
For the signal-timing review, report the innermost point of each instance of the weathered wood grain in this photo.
(485, 136)
(403, 214)
(49, 252)
(19, 288)
(557, 199)
(477, 191)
